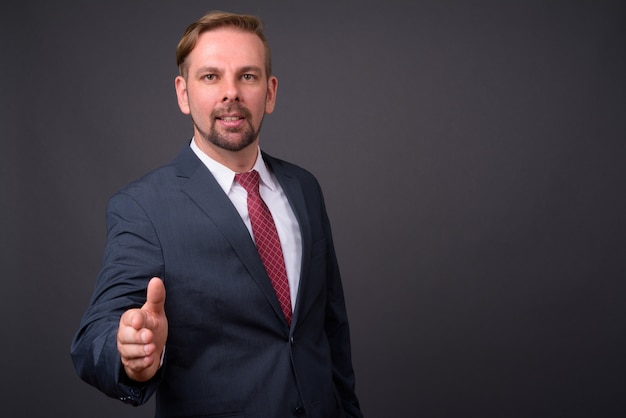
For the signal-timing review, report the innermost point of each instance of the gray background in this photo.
(472, 155)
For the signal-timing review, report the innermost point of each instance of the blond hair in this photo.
(214, 20)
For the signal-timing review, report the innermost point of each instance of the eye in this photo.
(209, 77)
(249, 77)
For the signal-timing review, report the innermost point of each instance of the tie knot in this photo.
(249, 181)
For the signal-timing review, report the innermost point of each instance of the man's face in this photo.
(226, 90)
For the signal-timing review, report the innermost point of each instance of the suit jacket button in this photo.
(298, 411)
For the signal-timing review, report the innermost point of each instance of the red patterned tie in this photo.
(266, 238)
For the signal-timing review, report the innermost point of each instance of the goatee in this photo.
(248, 136)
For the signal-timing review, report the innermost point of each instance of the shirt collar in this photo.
(225, 176)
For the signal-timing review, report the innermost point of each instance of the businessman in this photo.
(219, 290)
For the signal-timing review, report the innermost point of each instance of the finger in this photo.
(129, 335)
(134, 318)
(140, 361)
(130, 352)
(137, 363)
(155, 298)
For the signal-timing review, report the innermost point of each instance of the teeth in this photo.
(230, 118)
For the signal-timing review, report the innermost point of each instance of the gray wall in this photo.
(472, 154)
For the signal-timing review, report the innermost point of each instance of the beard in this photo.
(248, 134)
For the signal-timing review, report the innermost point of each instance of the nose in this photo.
(231, 92)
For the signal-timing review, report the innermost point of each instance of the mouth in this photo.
(231, 122)
(230, 118)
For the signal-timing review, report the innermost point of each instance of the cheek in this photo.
(201, 106)
(262, 106)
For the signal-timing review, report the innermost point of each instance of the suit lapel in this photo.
(203, 190)
(295, 196)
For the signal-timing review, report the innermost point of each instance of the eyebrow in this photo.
(203, 70)
(251, 69)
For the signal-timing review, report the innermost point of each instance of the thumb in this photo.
(155, 299)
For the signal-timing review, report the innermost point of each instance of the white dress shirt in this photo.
(275, 199)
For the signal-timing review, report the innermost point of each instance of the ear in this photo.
(181, 94)
(270, 97)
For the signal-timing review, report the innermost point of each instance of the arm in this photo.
(132, 257)
(338, 332)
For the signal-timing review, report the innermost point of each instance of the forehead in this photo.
(227, 47)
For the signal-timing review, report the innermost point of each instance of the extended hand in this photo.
(142, 334)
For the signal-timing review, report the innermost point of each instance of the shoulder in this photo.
(282, 168)
(162, 181)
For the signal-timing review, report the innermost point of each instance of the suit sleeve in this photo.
(338, 332)
(132, 256)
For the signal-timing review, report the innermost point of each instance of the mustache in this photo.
(237, 108)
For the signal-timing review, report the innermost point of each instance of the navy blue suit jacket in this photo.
(229, 351)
